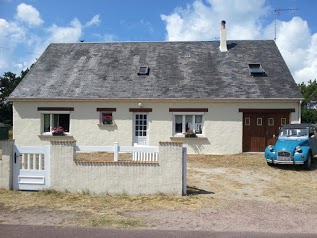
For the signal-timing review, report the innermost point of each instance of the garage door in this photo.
(261, 127)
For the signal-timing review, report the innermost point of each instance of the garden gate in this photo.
(31, 167)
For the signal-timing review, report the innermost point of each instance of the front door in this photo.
(140, 128)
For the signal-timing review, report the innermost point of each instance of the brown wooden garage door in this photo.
(260, 126)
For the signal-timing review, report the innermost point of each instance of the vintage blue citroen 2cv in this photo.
(296, 144)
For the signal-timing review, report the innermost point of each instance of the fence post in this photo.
(116, 151)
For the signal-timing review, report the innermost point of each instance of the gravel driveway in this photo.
(245, 195)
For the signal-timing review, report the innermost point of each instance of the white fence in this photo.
(140, 153)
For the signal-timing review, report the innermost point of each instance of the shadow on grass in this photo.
(197, 191)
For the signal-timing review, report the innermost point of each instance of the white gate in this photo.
(31, 167)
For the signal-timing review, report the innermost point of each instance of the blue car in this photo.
(296, 144)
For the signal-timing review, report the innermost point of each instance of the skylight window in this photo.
(143, 70)
(256, 70)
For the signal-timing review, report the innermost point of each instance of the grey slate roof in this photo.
(192, 70)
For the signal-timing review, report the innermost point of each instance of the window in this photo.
(53, 120)
(140, 121)
(106, 118)
(143, 70)
(185, 123)
(259, 121)
(271, 121)
(247, 121)
(256, 70)
(283, 121)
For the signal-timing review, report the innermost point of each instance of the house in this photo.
(227, 96)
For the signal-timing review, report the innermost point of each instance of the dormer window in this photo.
(143, 70)
(256, 70)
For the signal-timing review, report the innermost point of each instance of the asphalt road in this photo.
(20, 231)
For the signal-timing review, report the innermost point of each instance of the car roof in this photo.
(297, 126)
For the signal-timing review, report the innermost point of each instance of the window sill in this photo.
(49, 137)
(113, 124)
(188, 138)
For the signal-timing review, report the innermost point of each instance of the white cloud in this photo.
(60, 34)
(10, 35)
(29, 14)
(201, 21)
(94, 21)
(21, 44)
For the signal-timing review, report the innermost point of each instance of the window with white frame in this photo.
(106, 115)
(106, 118)
(184, 123)
(247, 121)
(283, 121)
(53, 120)
(271, 121)
(259, 121)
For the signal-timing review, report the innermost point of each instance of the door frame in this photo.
(135, 138)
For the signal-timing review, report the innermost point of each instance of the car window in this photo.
(293, 132)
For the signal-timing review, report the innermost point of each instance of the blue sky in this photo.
(28, 27)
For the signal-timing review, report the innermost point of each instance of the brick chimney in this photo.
(223, 38)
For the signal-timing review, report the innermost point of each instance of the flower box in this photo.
(58, 131)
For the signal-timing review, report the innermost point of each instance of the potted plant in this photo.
(58, 131)
(107, 119)
(190, 133)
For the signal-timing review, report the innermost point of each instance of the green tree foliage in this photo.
(309, 91)
(8, 82)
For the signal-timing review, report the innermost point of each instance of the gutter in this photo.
(220, 100)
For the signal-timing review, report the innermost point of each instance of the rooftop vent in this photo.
(143, 70)
(256, 70)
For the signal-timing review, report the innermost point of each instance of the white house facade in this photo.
(221, 123)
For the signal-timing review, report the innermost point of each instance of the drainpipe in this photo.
(300, 111)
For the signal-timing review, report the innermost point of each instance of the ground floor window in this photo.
(106, 118)
(186, 123)
(54, 120)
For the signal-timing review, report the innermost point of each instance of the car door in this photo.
(313, 140)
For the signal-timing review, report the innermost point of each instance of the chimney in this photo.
(223, 40)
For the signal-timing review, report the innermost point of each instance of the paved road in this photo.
(20, 231)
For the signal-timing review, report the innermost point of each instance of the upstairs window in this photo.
(256, 70)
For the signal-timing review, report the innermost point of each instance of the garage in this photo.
(261, 127)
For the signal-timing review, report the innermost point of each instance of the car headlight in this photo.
(298, 149)
(270, 147)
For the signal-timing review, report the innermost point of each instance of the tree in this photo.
(309, 91)
(8, 83)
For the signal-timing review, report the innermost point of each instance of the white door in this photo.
(31, 167)
(140, 128)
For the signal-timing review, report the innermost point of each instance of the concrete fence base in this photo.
(164, 176)
(6, 160)
(119, 177)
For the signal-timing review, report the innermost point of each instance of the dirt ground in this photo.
(225, 193)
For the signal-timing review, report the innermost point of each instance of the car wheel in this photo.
(270, 164)
(307, 163)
